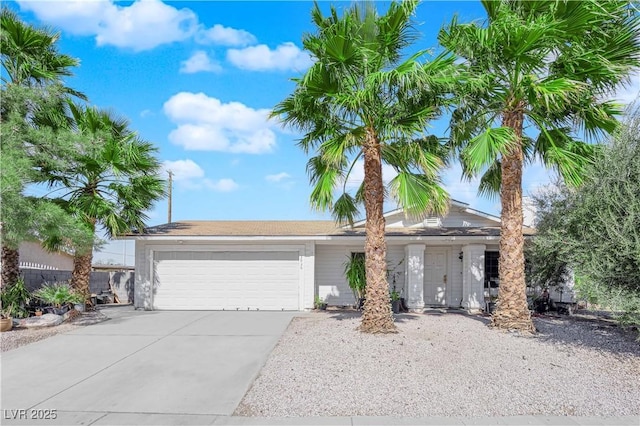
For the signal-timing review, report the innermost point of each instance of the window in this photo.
(491, 277)
(358, 255)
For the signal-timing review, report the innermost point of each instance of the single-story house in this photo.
(445, 261)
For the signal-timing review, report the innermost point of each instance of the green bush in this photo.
(15, 299)
(593, 230)
(58, 294)
(623, 303)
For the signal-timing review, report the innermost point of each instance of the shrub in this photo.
(58, 294)
(15, 299)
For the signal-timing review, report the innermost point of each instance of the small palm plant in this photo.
(57, 294)
(356, 274)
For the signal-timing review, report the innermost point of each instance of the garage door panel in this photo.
(266, 280)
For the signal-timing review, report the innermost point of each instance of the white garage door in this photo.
(233, 280)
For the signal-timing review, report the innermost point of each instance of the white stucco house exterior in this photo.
(283, 265)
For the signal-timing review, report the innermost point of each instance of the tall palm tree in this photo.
(113, 179)
(30, 56)
(30, 59)
(546, 67)
(360, 100)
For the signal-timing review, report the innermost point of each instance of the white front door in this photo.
(435, 278)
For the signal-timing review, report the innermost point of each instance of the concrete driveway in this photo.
(171, 367)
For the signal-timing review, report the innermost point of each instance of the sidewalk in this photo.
(113, 418)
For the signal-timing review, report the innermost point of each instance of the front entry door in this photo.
(435, 278)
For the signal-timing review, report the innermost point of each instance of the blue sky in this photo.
(198, 79)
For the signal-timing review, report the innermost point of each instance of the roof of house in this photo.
(302, 228)
(243, 228)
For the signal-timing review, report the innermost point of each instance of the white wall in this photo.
(331, 284)
(455, 282)
(33, 256)
(454, 219)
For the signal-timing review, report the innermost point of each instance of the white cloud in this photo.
(285, 57)
(189, 175)
(206, 124)
(277, 177)
(183, 169)
(225, 36)
(143, 25)
(199, 62)
(535, 175)
(357, 175)
(222, 185)
(631, 92)
(146, 113)
(461, 189)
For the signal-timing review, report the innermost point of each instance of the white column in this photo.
(414, 260)
(308, 276)
(473, 276)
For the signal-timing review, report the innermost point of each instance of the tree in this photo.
(359, 100)
(30, 56)
(545, 66)
(112, 179)
(594, 230)
(27, 149)
(31, 61)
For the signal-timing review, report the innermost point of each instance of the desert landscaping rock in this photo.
(447, 365)
(33, 330)
(46, 320)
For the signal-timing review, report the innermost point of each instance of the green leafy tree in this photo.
(30, 60)
(544, 66)
(548, 262)
(594, 230)
(112, 180)
(27, 149)
(360, 100)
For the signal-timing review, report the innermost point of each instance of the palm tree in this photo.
(30, 56)
(28, 149)
(113, 179)
(359, 100)
(547, 67)
(30, 59)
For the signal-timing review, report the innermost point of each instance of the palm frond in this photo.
(487, 147)
(418, 194)
(490, 181)
(345, 209)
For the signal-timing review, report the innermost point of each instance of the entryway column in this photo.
(414, 255)
(473, 276)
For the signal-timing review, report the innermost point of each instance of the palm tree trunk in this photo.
(512, 311)
(81, 275)
(377, 317)
(10, 266)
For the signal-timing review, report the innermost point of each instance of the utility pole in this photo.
(170, 188)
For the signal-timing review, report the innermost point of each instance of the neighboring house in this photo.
(34, 256)
(283, 265)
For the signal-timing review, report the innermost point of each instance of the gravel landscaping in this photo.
(447, 364)
(17, 337)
